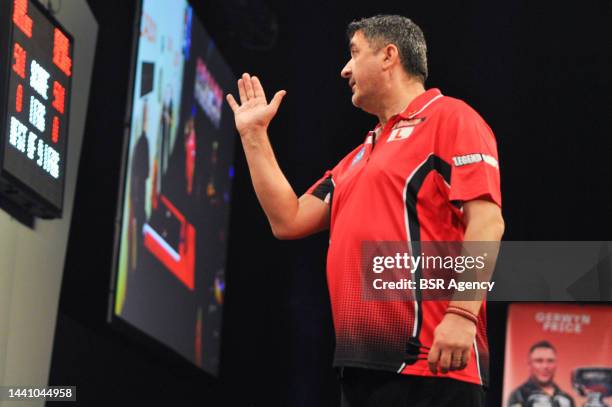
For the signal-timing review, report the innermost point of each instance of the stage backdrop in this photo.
(581, 335)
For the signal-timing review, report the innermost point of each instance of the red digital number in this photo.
(19, 98)
(20, 57)
(21, 17)
(59, 94)
(61, 52)
(55, 129)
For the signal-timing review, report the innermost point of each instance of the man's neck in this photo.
(548, 389)
(399, 97)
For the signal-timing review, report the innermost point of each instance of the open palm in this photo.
(254, 113)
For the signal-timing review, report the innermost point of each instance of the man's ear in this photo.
(390, 55)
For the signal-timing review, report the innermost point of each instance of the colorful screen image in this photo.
(37, 104)
(170, 267)
(558, 355)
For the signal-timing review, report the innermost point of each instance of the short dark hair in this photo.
(542, 344)
(400, 31)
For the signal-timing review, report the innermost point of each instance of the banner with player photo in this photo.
(558, 355)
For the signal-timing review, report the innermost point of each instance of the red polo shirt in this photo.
(408, 185)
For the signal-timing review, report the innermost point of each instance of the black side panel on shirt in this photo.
(414, 184)
(324, 188)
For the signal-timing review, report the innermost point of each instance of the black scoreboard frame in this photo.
(16, 197)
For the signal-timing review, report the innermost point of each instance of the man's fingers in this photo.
(456, 360)
(248, 86)
(242, 91)
(257, 88)
(445, 360)
(278, 97)
(232, 102)
(465, 358)
(432, 359)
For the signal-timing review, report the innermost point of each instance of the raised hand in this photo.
(254, 113)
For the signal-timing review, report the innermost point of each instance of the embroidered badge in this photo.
(403, 129)
(359, 156)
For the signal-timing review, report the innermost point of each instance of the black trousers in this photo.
(373, 388)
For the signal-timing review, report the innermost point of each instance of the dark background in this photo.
(538, 72)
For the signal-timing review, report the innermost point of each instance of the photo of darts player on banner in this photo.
(540, 389)
(558, 355)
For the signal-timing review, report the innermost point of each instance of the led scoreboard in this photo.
(35, 78)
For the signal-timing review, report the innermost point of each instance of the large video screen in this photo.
(171, 249)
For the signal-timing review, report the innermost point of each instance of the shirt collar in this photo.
(420, 103)
(534, 386)
(415, 107)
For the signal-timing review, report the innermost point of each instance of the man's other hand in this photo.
(452, 344)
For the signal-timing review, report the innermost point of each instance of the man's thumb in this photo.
(278, 97)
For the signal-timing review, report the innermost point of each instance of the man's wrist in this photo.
(470, 305)
(463, 313)
(254, 140)
(256, 133)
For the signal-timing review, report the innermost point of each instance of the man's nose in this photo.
(346, 71)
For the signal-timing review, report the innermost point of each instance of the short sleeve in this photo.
(323, 188)
(474, 158)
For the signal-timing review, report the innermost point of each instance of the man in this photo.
(540, 390)
(139, 176)
(428, 171)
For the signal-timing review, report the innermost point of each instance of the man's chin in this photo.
(359, 103)
(544, 382)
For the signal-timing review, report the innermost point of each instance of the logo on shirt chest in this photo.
(403, 129)
(358, 157)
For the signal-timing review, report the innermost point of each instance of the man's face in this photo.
(542, 365)
(363, 71)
